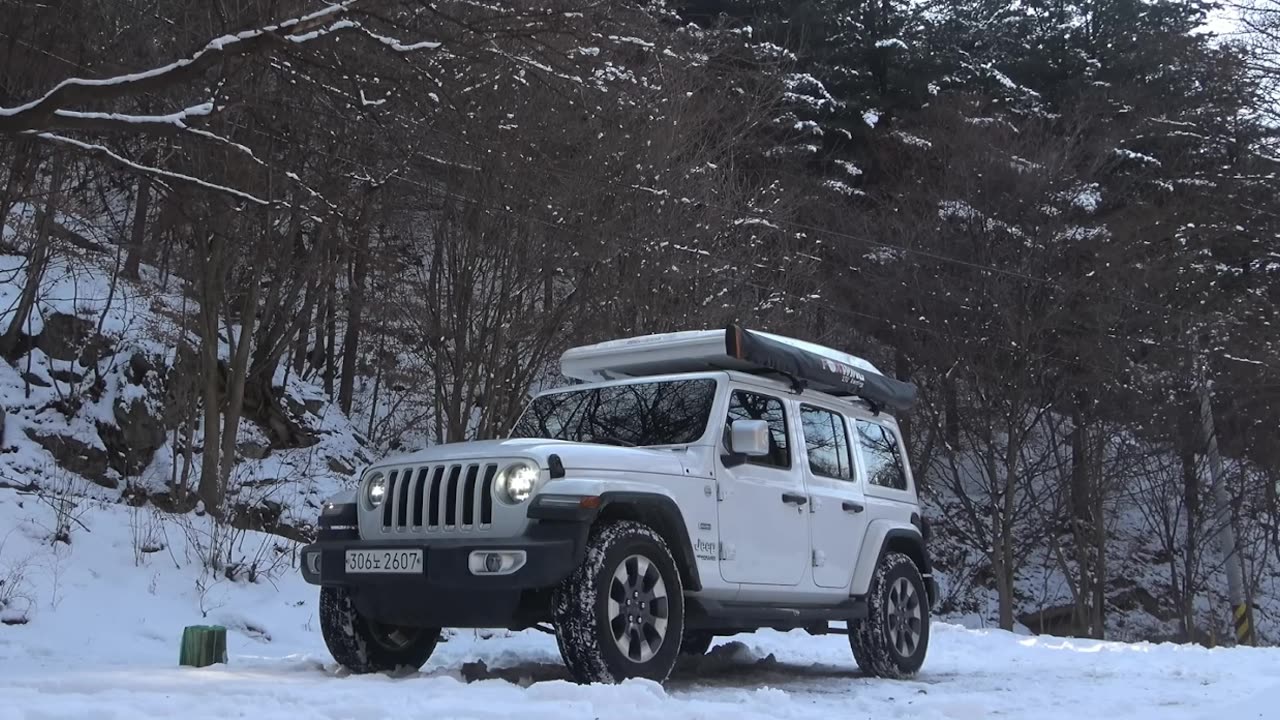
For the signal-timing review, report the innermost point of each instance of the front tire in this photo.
(362, 645)
(894, 638)
(696, 643)
(620, 614)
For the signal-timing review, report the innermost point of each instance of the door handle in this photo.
(852, 507)
(794, 499)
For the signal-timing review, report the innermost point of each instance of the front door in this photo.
(764, 518)
(839, 511)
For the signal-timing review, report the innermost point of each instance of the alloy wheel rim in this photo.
(904, 617)
(638, 608)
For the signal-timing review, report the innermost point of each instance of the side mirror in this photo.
(749, 438)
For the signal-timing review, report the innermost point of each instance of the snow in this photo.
(1137, 156)
(398, 46)
(1009, 83)
(957, 210)
(102, 636)
(842, 188)
(1086, 197)
(177, 118)
(912, 140)
(850, 168)
(755, 221)
(632, 41)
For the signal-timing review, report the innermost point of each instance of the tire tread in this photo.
(349, 638)
(575, 601)
(869, 638)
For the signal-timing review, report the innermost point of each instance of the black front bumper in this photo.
(445, 593)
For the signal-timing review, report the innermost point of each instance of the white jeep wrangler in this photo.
(696, 484)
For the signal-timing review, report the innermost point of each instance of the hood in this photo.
(574, 455)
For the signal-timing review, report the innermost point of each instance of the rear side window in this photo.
(745, 405)
(881, 456)
(826, 442)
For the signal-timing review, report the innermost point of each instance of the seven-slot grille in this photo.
(434, 497)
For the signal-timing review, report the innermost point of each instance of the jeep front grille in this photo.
(449, 496)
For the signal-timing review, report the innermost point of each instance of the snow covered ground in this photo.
(102, 621)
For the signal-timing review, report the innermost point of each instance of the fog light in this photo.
(313, 562)
(496, 562)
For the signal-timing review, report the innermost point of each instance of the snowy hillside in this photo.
(102, 642)
(90, 408)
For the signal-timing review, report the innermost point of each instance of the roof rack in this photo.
(805, 365)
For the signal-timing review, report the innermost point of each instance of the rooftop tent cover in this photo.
(819, 372)
(735, 348)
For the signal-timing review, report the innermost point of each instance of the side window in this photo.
(745, 405)
(827, 443)
(880, 455)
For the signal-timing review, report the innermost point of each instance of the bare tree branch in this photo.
(158, 172)
(37, 114)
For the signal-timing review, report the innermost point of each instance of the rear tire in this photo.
(362, 645)
(620, 614)
(894, 638)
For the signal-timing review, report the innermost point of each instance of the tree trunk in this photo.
(1081, 522)
(1006, 538)
(304, 330)
(952, 414)
(330, 335)
(211, 490)
(1099, 617)
(377, 388)
(239, 371)
(20, 174)
(1191, 499)
(137, 233)
(902, 368)
(355, 312)
(1004, 587)
(41, 252)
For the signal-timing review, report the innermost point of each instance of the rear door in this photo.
(764, 521)
(838, 512)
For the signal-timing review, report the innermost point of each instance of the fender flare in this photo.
(886, 534)
(663, 514)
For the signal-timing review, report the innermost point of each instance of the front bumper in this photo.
(444, 563)
(445, 592)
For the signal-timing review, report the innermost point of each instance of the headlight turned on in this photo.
(516, 482)
(375, 489)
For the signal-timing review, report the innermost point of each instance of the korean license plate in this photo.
(384, 561)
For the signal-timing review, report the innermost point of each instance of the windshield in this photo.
(654, 413)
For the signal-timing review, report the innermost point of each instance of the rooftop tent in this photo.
(736, 348)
